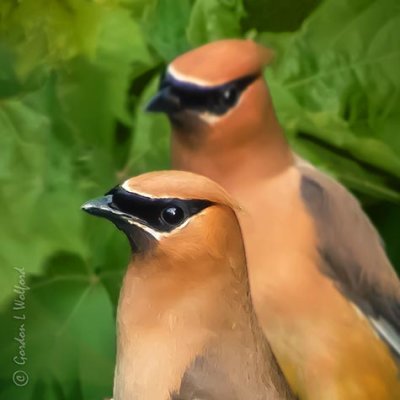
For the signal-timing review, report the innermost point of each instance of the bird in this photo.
(186, 328)
(324, 290)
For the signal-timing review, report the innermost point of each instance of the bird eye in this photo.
(172, 215)
(229, 96)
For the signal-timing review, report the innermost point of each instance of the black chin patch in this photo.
(139, 240)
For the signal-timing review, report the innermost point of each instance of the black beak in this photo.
(104, 207)
(100, 207)
(165, 101)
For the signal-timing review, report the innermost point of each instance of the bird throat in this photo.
(165, 349)
(211, 153)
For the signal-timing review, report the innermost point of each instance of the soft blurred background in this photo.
(74, 78)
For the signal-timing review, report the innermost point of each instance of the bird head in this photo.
(173, 210)
(218, 89)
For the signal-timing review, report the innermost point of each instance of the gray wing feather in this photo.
(352, 253)
(203, 381)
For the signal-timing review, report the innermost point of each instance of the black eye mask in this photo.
(163, 215)
(216, 100)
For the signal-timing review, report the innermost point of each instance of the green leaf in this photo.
(49, 31)
(336, 79)
(277, 16)
(165, 27)
(150, 145)
(57, 147)
(122, 55)
(67, 322)
(35, 176)
(215, 19)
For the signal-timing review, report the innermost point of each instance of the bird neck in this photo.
(259, 153)
(238, 364)
(167, 321)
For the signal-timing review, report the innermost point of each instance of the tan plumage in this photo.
(186, 326)
(324, 291)
(249, 59)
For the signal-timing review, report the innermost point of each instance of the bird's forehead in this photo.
(177, 184)
(220, 62)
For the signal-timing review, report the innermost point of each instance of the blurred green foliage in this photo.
(74, 78)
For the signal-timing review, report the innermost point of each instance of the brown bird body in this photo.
(324, 291)
(186, 326)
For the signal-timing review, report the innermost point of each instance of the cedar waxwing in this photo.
(185, 322)
(323, 288)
